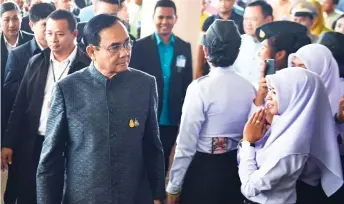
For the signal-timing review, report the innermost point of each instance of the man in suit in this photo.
(27, 124)
(103, 125)
(16, 64)
(168, 58)
(11, 36)
(25, 26)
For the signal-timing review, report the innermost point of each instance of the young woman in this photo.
(318, 58)
(302, 131)
(324, 65)
(216, 108)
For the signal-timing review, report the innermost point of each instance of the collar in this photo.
(70, 58)
(8, 44)
(220, 70)
(159, 40)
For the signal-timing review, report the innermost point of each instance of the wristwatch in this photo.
(247, 143)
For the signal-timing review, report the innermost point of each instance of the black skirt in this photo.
(212, 179)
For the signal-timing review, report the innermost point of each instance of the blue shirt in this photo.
(166, 52)
(86, 13)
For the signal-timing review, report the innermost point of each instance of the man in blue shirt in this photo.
(168, 58)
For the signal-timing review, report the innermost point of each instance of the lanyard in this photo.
(52, 66)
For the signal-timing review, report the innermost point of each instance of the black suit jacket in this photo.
(23, 38)
(23, 123)
(25, 25)
(145, 57)
(15, 68)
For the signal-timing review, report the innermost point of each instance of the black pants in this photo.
(27, 190)
(212, 179)
(11, 192)
(168, 136)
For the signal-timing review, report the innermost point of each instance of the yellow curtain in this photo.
(318, 26)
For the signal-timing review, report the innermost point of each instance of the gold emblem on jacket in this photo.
(133, 123)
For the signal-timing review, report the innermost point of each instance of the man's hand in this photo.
(6, 158)
(263, 87)
(157, 202)
(172, 199)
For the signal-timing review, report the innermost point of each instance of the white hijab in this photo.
(318, 58)
(305, 124)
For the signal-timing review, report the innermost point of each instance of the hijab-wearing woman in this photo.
(318, 58)
(215, 110)
(302, 130)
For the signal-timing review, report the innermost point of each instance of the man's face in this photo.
(114, 51)
(328, 6)
(64, 5)
(10, 23)
(253, 18)
(59, 38)
(123, 13)
(225, 6)
(164, 19)
(303, 20)
(101, 7)
(38, 29)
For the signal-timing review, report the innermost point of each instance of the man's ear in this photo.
(31, 25)
(75, 33)
(90, 52)
(205, 50)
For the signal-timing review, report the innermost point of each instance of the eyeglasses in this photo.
(116, 48)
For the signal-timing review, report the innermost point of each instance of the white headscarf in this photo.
(318, 58)
(305, 124)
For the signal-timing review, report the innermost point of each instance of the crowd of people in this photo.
(91, 112)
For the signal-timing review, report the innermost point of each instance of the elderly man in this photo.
(102, 129)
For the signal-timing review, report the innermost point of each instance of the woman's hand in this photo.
(255, 127)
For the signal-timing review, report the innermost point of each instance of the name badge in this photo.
(180, 62)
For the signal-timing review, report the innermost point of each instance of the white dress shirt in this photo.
(247, 63)
(273, 182)
(216, 106)
(57, 71)
(9, 46)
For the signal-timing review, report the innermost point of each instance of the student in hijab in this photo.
(318, 59)
(338, 25)
(326, 67)
(204, 168)
(302, 131)
(279, 39)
